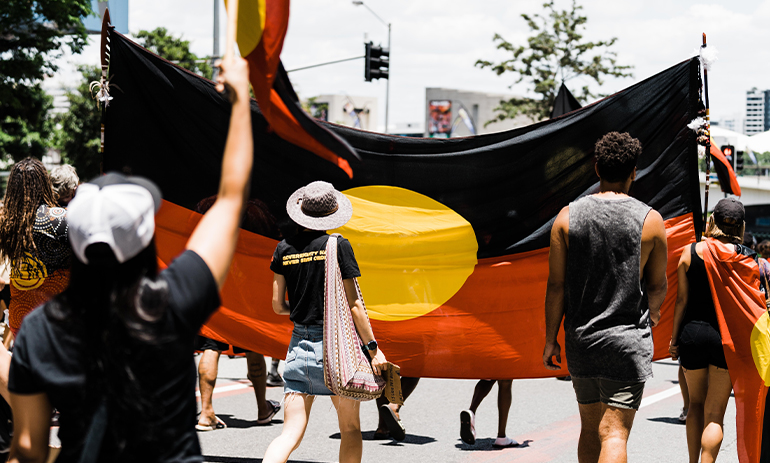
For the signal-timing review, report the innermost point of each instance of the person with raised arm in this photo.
(112, 352)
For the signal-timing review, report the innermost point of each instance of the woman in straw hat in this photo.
(299, 267)
(112, 353)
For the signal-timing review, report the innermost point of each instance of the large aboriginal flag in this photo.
(743, 324)
(451, 235)
(262, 26)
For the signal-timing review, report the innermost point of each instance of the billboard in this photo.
(439, 118)
(118, 15)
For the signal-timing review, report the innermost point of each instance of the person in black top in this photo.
(112, 352)
(696, 341)
(299, 269)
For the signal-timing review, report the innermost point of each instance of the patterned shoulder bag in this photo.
(347, 370)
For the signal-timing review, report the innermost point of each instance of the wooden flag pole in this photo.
(708, 143)
(232, 28)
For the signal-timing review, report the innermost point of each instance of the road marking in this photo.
(231, 387)
(660, 396)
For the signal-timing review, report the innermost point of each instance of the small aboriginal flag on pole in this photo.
(261, 28)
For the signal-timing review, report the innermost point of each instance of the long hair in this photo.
(714, 231)
(28, 188)
(115, 309)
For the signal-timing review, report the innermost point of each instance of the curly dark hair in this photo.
(616, 155)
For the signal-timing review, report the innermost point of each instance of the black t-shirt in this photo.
(49, 359)
(301, 260)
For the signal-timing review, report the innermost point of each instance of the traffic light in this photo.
(728, 151)
(376, 62)
(739, 161)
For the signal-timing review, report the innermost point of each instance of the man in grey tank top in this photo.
(607, 280)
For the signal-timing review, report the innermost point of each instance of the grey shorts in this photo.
(620, 394)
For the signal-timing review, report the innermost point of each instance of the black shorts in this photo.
(700, 345)
(204, 343)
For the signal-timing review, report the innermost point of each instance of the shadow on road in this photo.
(238, 423)
(666, 419)
(218, 459)
(410, 439)
(485, 445)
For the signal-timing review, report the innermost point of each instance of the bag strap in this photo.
(95, 435)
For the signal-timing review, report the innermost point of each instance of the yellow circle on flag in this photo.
(760, 347)
(414, 252)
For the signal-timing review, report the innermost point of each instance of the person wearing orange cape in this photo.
(720, 335)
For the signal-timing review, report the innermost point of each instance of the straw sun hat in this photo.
(318, 206)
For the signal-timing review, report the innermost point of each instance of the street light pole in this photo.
(215, 55)
(387, 85)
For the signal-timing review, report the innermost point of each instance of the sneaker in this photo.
(274, 380)
(683, 415)
(468, 427)
(502, 442)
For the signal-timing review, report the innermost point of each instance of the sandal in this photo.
(269, 418)
(394, 424)
(211, 427)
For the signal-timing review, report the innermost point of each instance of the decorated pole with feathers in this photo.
(708, 131)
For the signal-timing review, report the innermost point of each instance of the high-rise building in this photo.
(757, 111)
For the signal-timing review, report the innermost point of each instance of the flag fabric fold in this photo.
(743, 325)
(451, 235)
(725, 173)
(262, 26)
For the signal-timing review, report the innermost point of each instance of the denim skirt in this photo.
(304, 369)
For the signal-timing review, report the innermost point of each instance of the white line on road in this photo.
(232, 387)
(659, 396)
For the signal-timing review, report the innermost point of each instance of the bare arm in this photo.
(654, 237)
(361, 320)
(31, 422)
(554, 295)
(279, 295)
(215, 237)
(682, 293)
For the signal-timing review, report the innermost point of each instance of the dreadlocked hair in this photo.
(29, 187)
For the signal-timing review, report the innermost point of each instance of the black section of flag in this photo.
(170, 126)
(564, 103)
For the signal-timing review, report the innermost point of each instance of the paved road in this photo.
(544, 418)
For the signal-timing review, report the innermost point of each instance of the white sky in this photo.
(435, 43)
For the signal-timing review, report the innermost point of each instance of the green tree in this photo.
(33, 35)
(554, 54)
(176, 50)
(79, 136)
(79, 132)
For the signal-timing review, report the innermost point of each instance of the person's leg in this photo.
(719, 387)
(348, 414)
(208, 368)
(273, 377)
(589, 444)
(697, 385)
(257, 374)
(614, 428)
(408, 385)
(480, 392)
(296, 411)
(468, 417)
(685, 394)
(504, 399)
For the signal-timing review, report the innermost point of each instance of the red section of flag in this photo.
(493, 327)
(739, 304)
